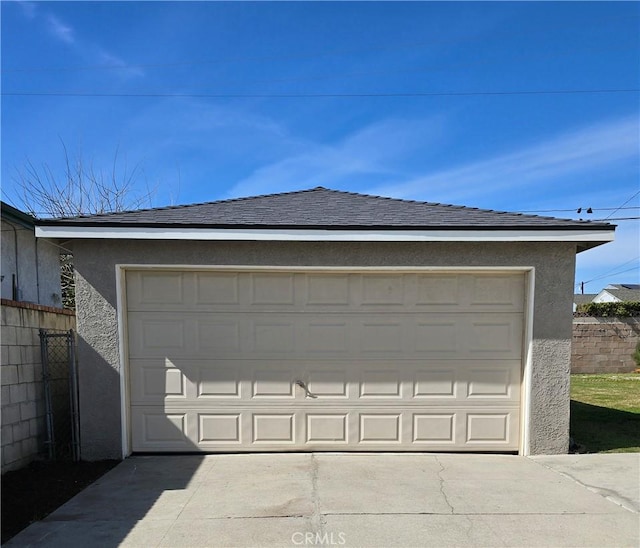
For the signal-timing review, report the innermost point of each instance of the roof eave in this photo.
(585, 237)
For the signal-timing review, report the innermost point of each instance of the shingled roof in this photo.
(624, 292)
(322, 208)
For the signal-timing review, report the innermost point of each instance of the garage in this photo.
(323, 320)
(273, 360)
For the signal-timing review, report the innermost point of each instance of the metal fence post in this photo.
(46, 381)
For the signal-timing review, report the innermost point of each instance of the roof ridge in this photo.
(455, 206)
(325, 189)
(182, 206)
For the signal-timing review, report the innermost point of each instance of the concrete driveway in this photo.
(329, 499)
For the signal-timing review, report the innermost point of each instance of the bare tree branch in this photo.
(80, 189)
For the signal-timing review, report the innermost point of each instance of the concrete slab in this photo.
(614, 476)
(409, 530)
(97, 534)
(251, 497)
(352, 484)
(619, 530)
(259, 532)
(348, 500)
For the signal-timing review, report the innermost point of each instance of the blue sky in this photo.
(213, 100)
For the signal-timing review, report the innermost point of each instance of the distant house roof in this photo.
(328, 209)
(10, 213)
(583, 298)
(321, 214)
(624, 292)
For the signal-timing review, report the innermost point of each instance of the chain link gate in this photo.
(59, 375)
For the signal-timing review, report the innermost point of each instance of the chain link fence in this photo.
(59, 374)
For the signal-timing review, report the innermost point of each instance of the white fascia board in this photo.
(142, 233)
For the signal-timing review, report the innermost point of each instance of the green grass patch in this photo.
(605, 412)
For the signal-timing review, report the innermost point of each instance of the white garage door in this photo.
(272, 361)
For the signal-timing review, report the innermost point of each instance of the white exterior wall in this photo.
(34, 263)
(605, 297)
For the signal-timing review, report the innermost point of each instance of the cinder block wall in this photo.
(604, 345)
(23, 409)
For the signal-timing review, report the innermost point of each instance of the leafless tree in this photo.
(79, 189)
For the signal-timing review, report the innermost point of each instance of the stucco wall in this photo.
(98, 352)
(604, 345)
(23, 408)
(34, 263)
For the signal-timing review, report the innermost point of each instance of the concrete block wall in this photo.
(22, 399)
(604, 345)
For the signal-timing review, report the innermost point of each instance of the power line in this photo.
(613, 219)
(610, 271)
(624, 204)
(575, 209)
(316, 95)
(611, 274)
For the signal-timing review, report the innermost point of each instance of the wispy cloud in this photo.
(28, 8)
(124, 69)
(61, 30)
(90, 52)
(575, 152)
(372, 153)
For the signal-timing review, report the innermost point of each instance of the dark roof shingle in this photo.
(325, 209)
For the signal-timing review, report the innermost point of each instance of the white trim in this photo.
(124, 353)
(306, 235)
(529, 272)
(288, 268)
(527, 373)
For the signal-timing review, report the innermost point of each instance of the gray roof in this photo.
(580, 298)
(322, 208)
(624, 292)
(11, 214)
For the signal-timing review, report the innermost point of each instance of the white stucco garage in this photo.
(324, 320)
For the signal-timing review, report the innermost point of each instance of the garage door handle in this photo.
(302, 385)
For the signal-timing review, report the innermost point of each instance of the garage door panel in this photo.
(323, 428)
(490, 428)
(220, 336)
(217, 288)
(327, 382)
(217, 382)
(278, 428)
(434, 427)
(219, 428)
(367, 429)
(494, 383)
(153, 289)
(497, 292)
(272, 289)
(378, 382)
(323, 291)
(499, 336)
(273, 382)
(395, 361)
(156, 381)
(436, 382)
(297, 336)
(255, 292)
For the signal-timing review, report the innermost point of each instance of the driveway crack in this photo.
(442, 491)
